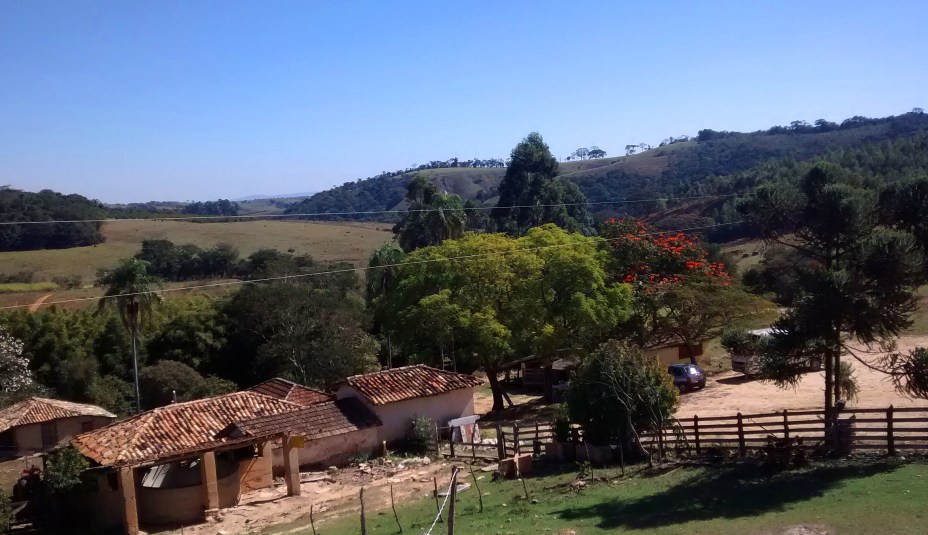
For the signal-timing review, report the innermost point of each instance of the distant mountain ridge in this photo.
(686, 167)
(281, 196)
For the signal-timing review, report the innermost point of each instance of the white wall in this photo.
(28, 438)
(332, 451)
(397, 417)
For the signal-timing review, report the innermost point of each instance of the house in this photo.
(289, 391)
(166, 466)
(331, 432)
(398, 395)
(677, 354)
(39, 424)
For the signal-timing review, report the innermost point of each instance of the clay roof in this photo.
(38, 410)
(320, 420)
(289, 391)
(409, 382)
(173, 430)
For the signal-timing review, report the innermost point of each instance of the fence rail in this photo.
(890, 429)
(862, 429)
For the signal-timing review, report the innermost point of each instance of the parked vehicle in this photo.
(687, 376)
(746, 361)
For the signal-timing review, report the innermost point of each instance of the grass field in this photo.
(350, 242)
(849, 497)
(19, 287)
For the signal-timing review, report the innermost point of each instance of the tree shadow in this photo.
(740, 490)
(736, 380)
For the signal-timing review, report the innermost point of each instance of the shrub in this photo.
(848, 389)
(6, 513)
(561, 424)
(422, 434)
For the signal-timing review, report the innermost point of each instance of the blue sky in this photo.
(134, 101)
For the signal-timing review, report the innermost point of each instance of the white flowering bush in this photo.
(15, 375)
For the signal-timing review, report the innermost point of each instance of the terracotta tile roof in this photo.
(173, 430)
(321, 420)
(38, 410)
(408, 382)
(289, 391)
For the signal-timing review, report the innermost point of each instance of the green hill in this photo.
(704, 165)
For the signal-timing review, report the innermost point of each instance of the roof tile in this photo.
(37, 410)
(174, 429)
(289, 391)
(409, 382)
(320, 420)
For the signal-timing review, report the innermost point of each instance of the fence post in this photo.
(451, 440)
(785, 426)
(660, 440)
(742, 449)
(890, 442)
(515, 436)
(437, 441)
(500, 442)
(453, 491)
(696, 433)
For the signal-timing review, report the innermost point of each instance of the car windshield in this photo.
(694, 370)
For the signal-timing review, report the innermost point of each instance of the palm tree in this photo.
(380, 282)
(129, 288)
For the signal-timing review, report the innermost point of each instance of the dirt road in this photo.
(330, 498)
(729, 393)
(38, 302)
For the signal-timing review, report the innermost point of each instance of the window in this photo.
(49, 434)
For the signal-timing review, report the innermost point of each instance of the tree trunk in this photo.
(496, 388)
(690, 353)
(829, 391)
(135, 364)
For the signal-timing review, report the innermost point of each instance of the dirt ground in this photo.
(334, 496)
(729, 393)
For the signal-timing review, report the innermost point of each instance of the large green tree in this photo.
(856, 283)
(485, 298)
(129, 288)
(530, 195)
(431, 216)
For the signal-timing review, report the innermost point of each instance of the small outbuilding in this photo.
(38, 424)
(399, 395)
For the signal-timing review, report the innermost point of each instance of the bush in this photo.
(561, 424)
(422, 434)
(6, 512)
(619, 390)
(69, 282)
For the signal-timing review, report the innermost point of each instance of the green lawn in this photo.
(849, 497)
(17, 287)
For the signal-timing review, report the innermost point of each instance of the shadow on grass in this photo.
(740, 490)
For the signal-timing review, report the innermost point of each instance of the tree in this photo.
(858, 284)
(129, 288)
(596, 153)
(161, 382)
(432, 217)
(682, 296)
(541, 294)
(581, 154)
(311, 335)
(619, 391)
(529, 195)
(16, 379)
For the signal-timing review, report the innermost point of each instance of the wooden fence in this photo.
(890, 429)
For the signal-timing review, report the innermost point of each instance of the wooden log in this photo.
(393, 505)
(363, 520)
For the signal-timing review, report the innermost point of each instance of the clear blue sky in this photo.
(134, 101)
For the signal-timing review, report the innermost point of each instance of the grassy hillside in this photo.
(350, 242)
(688, 168)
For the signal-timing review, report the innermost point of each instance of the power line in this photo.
(346, 270)
(359, 212)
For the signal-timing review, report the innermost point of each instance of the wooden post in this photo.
(437, 441)
(451, 440)
(453, 493)
(477, 486)
(890, 441)
(696, 433)
(363, 520)
(312, 523)
(500, 442)
(437, 506)
(129, 505)
(515, 436)
(660, 441)
(742, 449)
(785, 426)
(393, 505)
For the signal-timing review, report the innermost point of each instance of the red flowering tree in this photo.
(681, 295)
